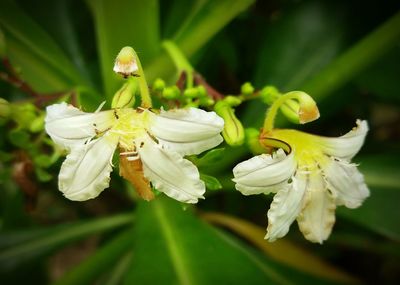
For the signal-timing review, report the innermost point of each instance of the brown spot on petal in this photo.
(132, 170)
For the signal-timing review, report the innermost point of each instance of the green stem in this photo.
(180, 61)
(273, 110)
(144, 88)
(357, 58)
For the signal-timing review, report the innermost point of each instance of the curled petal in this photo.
(317, 217)
(347, 182)
(69, 126)
(264, 173)
(187, 131)
(169, 172)
(347, 145)
(285, 207)
(86, 171)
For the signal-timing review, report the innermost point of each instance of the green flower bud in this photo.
(125, 97)
(37, 124)
(171, 93)
(5, 108)
(206, 101)
(158, 85)
(191, 93)
(247, 89)
(233, 132)
(269, 94)
(201, 91)
(253, 142)
(290, 109)
(232, 101)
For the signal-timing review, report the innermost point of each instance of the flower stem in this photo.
(354, 60)
(144, 88)
(180, 61)
(273, 111)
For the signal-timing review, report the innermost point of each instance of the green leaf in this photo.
(380, 212)
(381, 170)
(122, 23)
(105, 257)
(42, 63)
(382, 78)
(207, 19)
(295, 48)
(210, 157)
(23, 246)
(174, 247)
(211, 182)
(19, 138)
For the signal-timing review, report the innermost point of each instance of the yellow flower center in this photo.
(306, 147)
(130, 124)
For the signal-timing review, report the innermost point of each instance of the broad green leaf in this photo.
(122, 23)
(382, 78)
(281, 250)
(211, 182)
(101, 261)
(207, 20)
(41, 62)
(380, 212)
(174, 247)
(24, 246)
(295, 48)
(381, 170)
(210, 157)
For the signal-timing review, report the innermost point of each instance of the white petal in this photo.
(187, 131)
(347, 182)
(317, 217)
(86, 170)
(347, 145)
(264, 173)
(169, 172)
(69, 126)
(285, 208)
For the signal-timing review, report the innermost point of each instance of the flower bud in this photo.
(158, 85)
(253, 141)
(5, 108)
(247, 89)
(125, 63)
(201, 91)
(269, 94)
(37, 124)
(233, 132)
(171, 93)
(308, 110)
(191, 93)
(125, 97)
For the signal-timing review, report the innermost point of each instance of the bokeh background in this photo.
(346, 54)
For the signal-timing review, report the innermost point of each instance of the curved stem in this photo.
(273, 110)
(144, 88)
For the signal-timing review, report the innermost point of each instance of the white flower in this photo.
(159, 141)
(310, 179)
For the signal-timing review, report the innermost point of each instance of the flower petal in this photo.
(86, 170)
(187, 131)
(347, 182)
(317, 217)
(69, 126)
(285, 207)
(347, 145)
(169, 172)
(264, 173)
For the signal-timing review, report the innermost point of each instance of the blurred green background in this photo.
(346, 54)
